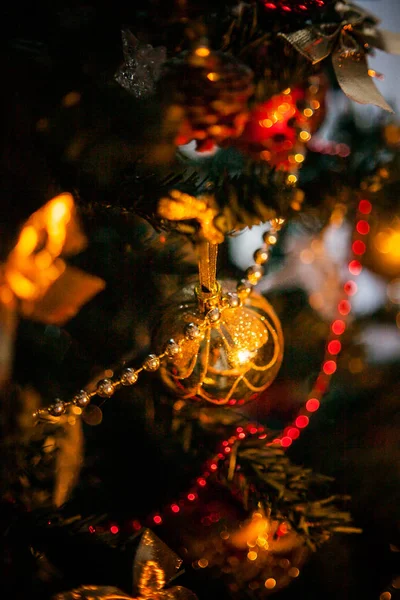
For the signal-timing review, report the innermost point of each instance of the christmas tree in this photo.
(199, 302)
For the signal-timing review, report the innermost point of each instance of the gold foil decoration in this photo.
(154, 566)
(179, 207)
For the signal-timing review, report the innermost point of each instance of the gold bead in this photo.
(152, 363)
(244, 287)
(232, 299)
(81, 399)
(261, 256)
(214, 315)
(105, 388)
(129, 376)
(254, 274)
(172, 349)
(57, 409)
(192, 332)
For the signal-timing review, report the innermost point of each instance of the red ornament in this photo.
(278, 130)
(295, 6)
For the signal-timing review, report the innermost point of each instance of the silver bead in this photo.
(244, 287)
(192, 332)
(81, 399)
(172, 349)
(105, 388)
(254, 273)
(57, 409)
(129, 376)
(152, 363)
(214, 315)
(232, 299)
(261, 256)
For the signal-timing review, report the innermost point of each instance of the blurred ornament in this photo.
(347, 42)
(142, 66)
(383, 254)
(279, 129)
(297, 7)
(154, 566)
(35, 280)
(236, 354)
(213, 90)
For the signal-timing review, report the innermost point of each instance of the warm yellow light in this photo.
(283, 108)
(270, 583)
(252, 555)
(213, 76)
(315, 104)
(202, 51)
(388, 242)
(308, 112)
(203, 563)
(305, 136)
(27, 241)
(292, 179)
(287, 91)
(59, 210)
(266, 123)
(299, 158)
(242, 356)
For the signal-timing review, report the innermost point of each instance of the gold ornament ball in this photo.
(235, 358)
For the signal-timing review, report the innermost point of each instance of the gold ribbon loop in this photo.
(346, 42)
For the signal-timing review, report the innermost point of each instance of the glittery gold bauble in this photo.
(237, 356)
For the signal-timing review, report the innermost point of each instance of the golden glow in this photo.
(270, 583)
(308, 112)
(315, 104)
(6, 295)
(243, 356)
(71, 99)
(203, 563)
(305, 136)
(299, 158)
(292, 179)
(252, 555)
(266, 123)
(202, 51)
(388, 242)
(213, 76)
(27, 241)
(293, 572)
(29, 271)
(287, 91)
